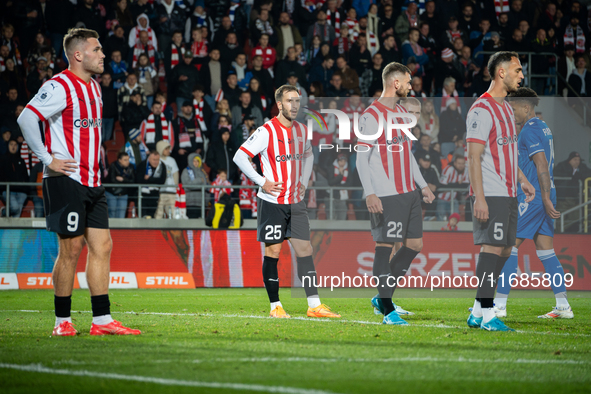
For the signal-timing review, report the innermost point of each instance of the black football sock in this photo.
(63, 306)
(271, 278)
(486, 266)
(401, 262)
(306, 269)
(381, 270)
(100, 305)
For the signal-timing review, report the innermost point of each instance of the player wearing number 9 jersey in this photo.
(69, 107)
(536, 218)
(286, 161)
(494, 173)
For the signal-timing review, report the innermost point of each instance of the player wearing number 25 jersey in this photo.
(286, 161)
(69, 107)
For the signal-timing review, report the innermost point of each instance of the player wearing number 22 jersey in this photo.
(286, 161)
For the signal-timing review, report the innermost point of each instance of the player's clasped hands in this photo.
(66, 167)
(374, 204)
(428, 195)
(272, 188)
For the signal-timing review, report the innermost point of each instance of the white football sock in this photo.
(501, 301)
(102, 320)
(561, 300)
(275, 305)
(487, 314)
(477, 309)
(60, 320)
(314, 301)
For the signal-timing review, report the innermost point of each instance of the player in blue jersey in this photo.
(535, 219)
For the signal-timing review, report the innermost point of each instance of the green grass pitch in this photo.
(220, 340)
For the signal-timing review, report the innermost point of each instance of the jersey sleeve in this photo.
(49, 100)
(532, 141)
(478, 125)
(368, 125)
(256, 143)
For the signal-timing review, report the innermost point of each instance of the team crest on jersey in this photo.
(475, 125)
(44, 96)
(522, 208)
(252, 138)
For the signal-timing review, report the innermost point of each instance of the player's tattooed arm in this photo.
(545, 183)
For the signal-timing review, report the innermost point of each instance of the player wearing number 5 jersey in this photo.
(69, 107)
(536, 218)
(286, 161)
(494, 174)
(388, 172)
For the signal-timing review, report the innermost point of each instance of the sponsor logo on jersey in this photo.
(87, 123)
(507, 140)
(282, 158)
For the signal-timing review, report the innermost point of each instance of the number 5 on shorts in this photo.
(73, 221)
(273, 232)
(498, 233)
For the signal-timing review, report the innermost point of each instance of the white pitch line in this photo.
(165, 382)
(327, 320)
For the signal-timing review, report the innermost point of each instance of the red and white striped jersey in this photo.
(282, 151)
(451, 175)
(71, 111)
(393, 167)
(493, 125)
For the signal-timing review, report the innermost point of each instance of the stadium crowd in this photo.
(187, 81)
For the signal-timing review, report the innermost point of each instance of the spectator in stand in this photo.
(322, 73)
(173, 54)
(131, 86)
(192, 177)
(335, 88)
(430, 17)
(119, 172)
(143, 24)
(517, 14)
(389, 51)
(38, 76)
(387, 20)
(58, 17)
(373, 20)
(349, 78)
(567, 191)
(429, 121)
(222, 109)
(244, 109)
(243, 75)
(220, 153)
(243, 131)
(135, 148)
(580, 78)
(184, 76)
(425, 146)
(92, 14)
(540, 63)
(121, 15)
(452, 221)
(287, 66)
(320, 28)
(292, 80)
(480, 84)
(203, 111)
(156, 128)
(340, 177)
(109, 95)
(431, 176)
(13, 169)
(231, 49)
(467, 68)
(478, 38)
(411, 48)
(118, 69)
(444, 69)
(167, 194)
(495, 44)
(325, 50)
(151, 171)
(360, 56)
(566, 66)
(453, 127)
(170, 18)
(313, 49)
(267, 52)
(342, 44)
(451, 33)
(220, 180)
(372, 41)
(134, 113)
(147, 78)
(139, 7)
(416, 84)
(258, 98)
(230, 91)
(467, 22)
(198, 19)
(117, 42)
(198, 47)
(143, 46)
(38, 48)
(223, 31)
(261, 26)
(405, 21)
(212, 72)
(287, 35)
(376, 74)
(5, 140)
(528, 34)
(188, 135)
(453, 176)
